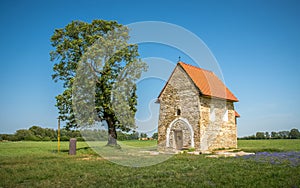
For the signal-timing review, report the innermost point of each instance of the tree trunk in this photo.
(112, 133)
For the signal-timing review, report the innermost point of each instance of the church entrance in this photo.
(178, 139)
(180, 134)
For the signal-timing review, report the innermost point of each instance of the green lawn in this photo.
(37, 164)
(269, 145)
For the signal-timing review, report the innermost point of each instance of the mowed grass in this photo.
(37, 164)
(276, 145)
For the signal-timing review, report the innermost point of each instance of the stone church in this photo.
(196, 111)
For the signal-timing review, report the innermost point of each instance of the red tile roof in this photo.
(236, 114)
(207, 82)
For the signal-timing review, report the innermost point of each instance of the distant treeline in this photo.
(36, 133)
(292, 134)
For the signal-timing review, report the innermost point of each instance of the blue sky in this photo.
(256, 43)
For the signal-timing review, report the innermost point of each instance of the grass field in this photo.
(37, 164)
(269, 145)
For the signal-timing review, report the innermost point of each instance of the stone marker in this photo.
(72, 146)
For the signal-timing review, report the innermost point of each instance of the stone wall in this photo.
(217, 133)
(179, 93)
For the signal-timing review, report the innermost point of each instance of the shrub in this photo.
(64, 138)
(32, 138)
(47, 138)
(80, 139)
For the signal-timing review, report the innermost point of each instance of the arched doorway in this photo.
(180, 134)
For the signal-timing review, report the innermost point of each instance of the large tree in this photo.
(96, 57)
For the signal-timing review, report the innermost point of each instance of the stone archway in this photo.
(178, 131)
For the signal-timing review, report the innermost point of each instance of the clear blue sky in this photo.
(256, 43)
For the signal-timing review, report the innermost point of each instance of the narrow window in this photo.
(212, 114)
(225, 116)
(178, 112)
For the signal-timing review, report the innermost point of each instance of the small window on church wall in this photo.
(212, 114)
(225, 116)
(178, 112)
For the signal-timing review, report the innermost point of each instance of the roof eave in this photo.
(220, 98)
(157, 101)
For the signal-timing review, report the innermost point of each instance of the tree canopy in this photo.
(98, 69)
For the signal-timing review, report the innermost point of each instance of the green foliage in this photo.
(36, 133)
(125, 136)
(144, 135)
(274, 135)
(96, 57)
(33, 138)
(64, 138)
(267, 135)
(24, 134)
(293, 134)
(155, 136)
(260, 135)
(283, 134)
(47, 138)
(80, 139)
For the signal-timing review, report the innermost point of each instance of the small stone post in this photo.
(72, 146)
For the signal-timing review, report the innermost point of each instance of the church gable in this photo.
(179, 81)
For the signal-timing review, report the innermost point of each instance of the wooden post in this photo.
(58, 135)
(72, 146)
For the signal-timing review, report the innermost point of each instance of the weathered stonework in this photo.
(179, 93)
(218, 133)
(186, 113)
